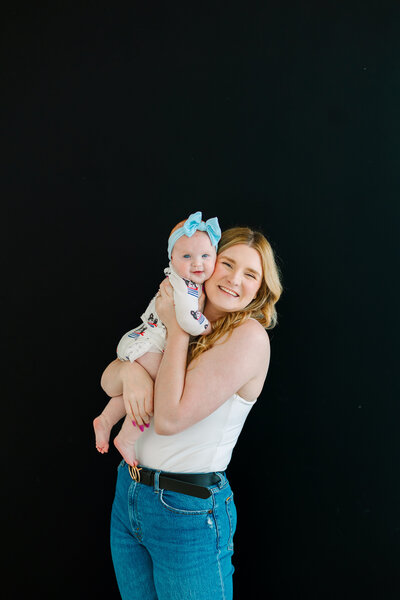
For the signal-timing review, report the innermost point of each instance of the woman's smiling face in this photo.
(236, 279)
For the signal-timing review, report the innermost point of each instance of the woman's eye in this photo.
(250, 275)
(227, 264)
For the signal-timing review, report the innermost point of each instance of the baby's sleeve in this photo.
(186, 298)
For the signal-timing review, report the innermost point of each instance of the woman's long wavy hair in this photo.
(262, 308)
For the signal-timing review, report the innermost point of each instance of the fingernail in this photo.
(133, 423)
(141, 427)
(147, 425)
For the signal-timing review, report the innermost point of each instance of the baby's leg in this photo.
(112, 413)
(128, 434)
(151, 362)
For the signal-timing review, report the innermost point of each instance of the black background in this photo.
(118, 120)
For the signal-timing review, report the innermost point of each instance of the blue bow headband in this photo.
(192, 224)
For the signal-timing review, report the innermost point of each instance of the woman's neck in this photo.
(212, 313)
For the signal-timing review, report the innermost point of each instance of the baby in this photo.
(192, 247)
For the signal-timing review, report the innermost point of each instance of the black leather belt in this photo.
(192, 484)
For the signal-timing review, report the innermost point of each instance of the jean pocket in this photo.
(184, 504)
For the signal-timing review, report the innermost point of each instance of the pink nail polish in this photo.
(147, 425)
(141, 427)
(133, 423)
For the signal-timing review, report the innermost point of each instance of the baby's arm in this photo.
(186, 299)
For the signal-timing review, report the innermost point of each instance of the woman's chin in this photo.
(223, 305)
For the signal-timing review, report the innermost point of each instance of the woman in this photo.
(173, 519)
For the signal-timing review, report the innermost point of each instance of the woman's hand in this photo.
(165, 306)
(202, 301)
(138, 392)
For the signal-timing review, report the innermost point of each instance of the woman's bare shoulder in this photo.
(236, 363)
(252, 330)
(249, 341)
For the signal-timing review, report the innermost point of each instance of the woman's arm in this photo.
(183, 398)
(135, 384)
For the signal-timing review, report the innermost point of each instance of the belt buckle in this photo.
(134, 472)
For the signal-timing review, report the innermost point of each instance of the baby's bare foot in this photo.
(127, 449)
(102, 431)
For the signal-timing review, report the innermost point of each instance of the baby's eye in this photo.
(186, 256)
(205, 256)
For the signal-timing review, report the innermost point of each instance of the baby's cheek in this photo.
(209, 270)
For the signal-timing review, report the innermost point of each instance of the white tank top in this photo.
(204, 447)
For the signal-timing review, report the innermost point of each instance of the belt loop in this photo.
(222, 479)
(157, 481)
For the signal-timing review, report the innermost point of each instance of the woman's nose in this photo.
(234, 278)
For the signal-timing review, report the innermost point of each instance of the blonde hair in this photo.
(262, 308)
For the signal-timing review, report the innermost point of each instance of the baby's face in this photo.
(194, 258)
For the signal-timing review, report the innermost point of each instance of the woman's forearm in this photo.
(170, 381)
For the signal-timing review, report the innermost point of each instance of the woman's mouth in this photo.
(228, 291)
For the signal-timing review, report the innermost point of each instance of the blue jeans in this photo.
(171, 546)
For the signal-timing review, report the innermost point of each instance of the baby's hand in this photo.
(208, 330)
